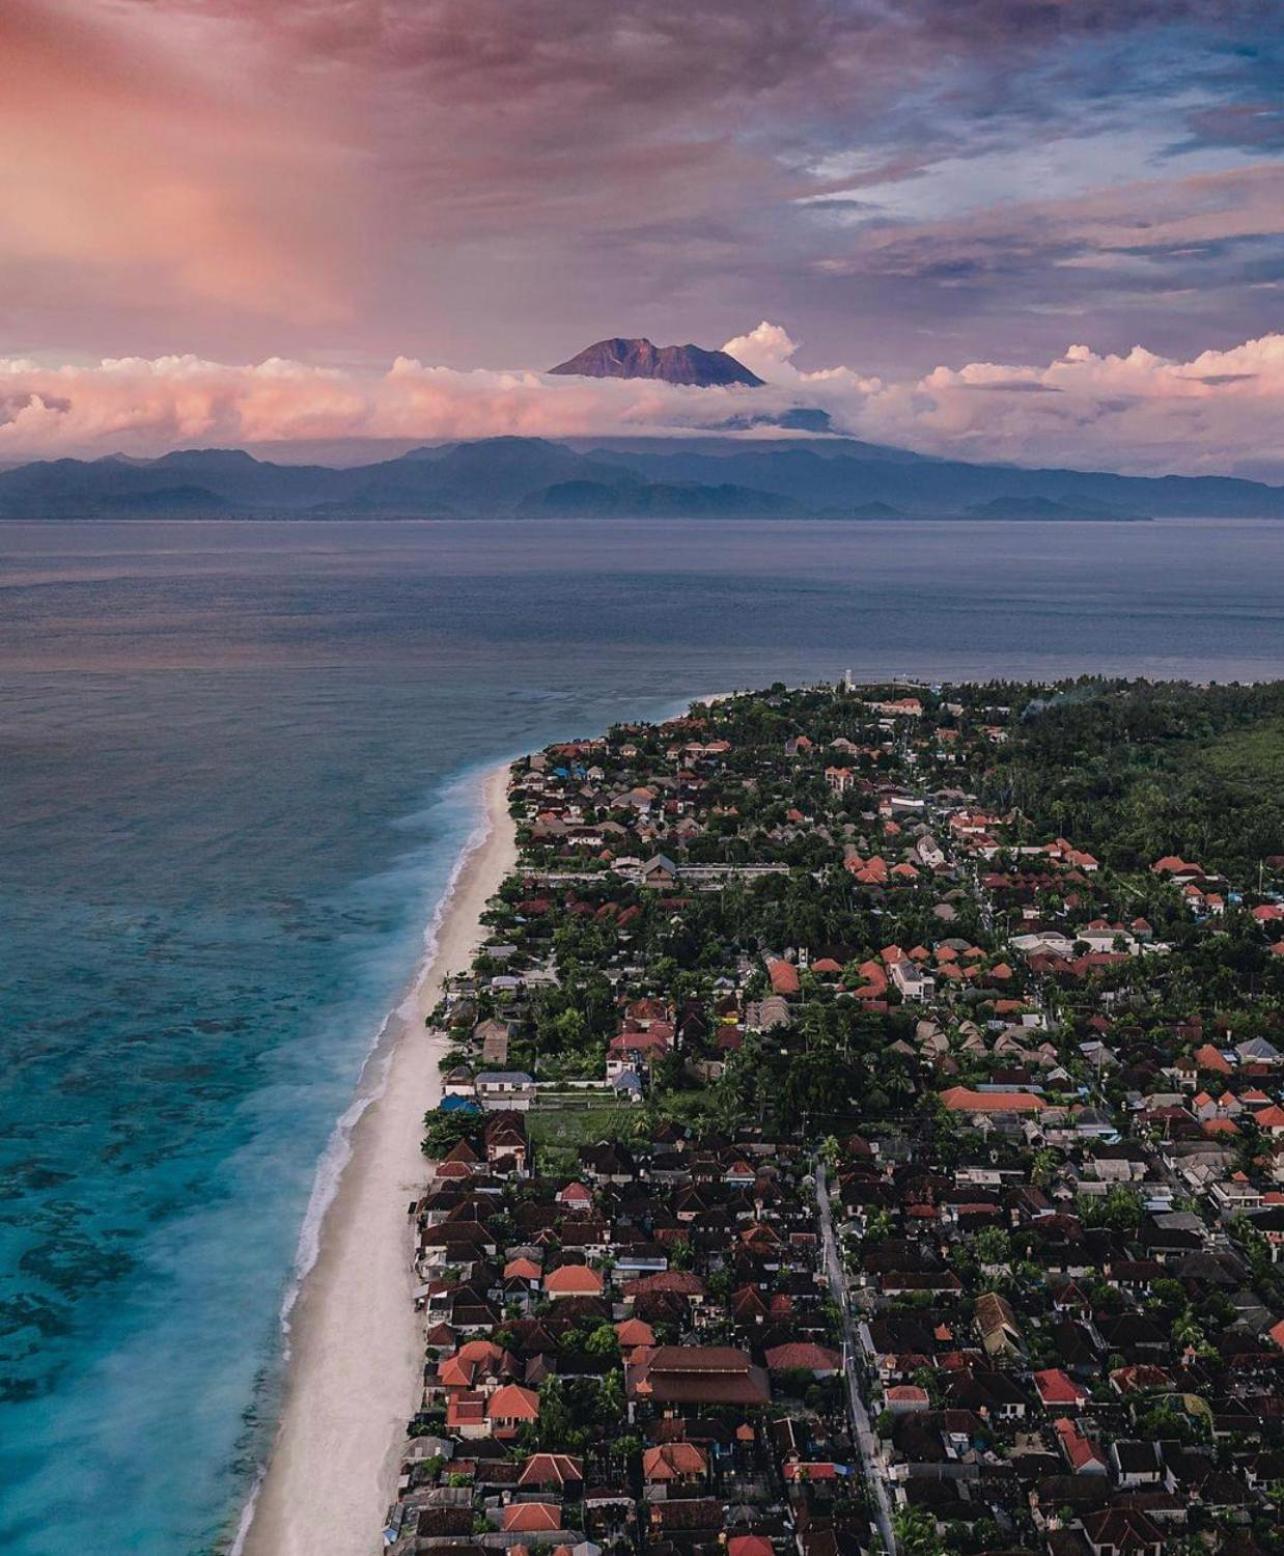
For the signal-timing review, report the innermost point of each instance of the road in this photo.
(860, 1416)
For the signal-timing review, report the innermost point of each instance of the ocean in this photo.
(238, 763)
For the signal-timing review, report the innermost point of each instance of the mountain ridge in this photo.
(694, 366)
(494, 477)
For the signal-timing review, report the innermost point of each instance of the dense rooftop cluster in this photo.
(863, 1127)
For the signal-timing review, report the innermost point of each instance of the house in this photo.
(1177, 870)
(658, 871)
(524, 1270)
(1083, 1455)
(504, 1137)
(961, 1099)
(804, 1356)
(783, 976)
(997, 1324)
(575, 1198)
(673, 1464)
(458, 1082)
(1136, 1464)
(905, 1398)
(634, 1051)
(510, 1408)
(1120, 1531)
(529, 1518)
(696, 1375)
(763, 1015)
(552, 1472)
(509, 1089)
(1209, 1058)
(1271, 1120)
(466, 1415)
(916, 986)
(1058, 1391)
(573, 1280)
(493, 1037)
(632, 1333)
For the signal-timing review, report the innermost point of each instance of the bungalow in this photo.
(552, 1472)
(573, 1280)
(1176, 869)
(575, 1198)
(1136, 1464)
(804, 1356)
(997, 1325)
(1211, 1059)
(493, 1037)
(1083, 1455)
(658, 871)
(466, 1415)
(906, 1398)
(1058, 1391)
(673, 1464)
(1271, 1120)
(527, 1518)
(784, 977)
(1122, 1531)
(632, 1051)
(458, 1083)
(511, 1407)
(505, 1089)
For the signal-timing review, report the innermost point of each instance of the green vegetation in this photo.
(1132, 771)
(1250, 760)
(558, 1132)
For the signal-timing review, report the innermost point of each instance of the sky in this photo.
(1049, 231)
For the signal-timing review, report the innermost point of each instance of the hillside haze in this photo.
(831, 478)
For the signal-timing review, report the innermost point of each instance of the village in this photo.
(837, 1154)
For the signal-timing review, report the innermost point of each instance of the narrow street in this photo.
(864, 1432)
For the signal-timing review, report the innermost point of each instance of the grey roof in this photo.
(661, 861)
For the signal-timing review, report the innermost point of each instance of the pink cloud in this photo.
(156, 168)
(1136, 412)
(481, 181)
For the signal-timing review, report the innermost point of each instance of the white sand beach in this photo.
(356, 1356)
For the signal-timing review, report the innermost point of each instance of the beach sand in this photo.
(356, 1357)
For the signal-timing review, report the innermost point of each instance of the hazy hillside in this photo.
(830, 478)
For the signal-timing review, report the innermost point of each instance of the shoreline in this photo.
(354, 1351)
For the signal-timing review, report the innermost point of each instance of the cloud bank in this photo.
(1138, 412)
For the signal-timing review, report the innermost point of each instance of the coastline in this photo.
(354, 1371)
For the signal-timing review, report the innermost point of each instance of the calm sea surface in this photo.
(237, 764)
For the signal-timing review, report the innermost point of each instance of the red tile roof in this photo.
(531, 1517)
(961, 1099)
(803, 1354)
(784, 976)
(573, 1280)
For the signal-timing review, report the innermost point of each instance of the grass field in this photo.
(558, 1132)
(1251, 759)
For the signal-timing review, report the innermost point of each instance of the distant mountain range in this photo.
(832, 478)
(692, 365)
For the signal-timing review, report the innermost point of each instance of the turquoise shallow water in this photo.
(237, 765)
